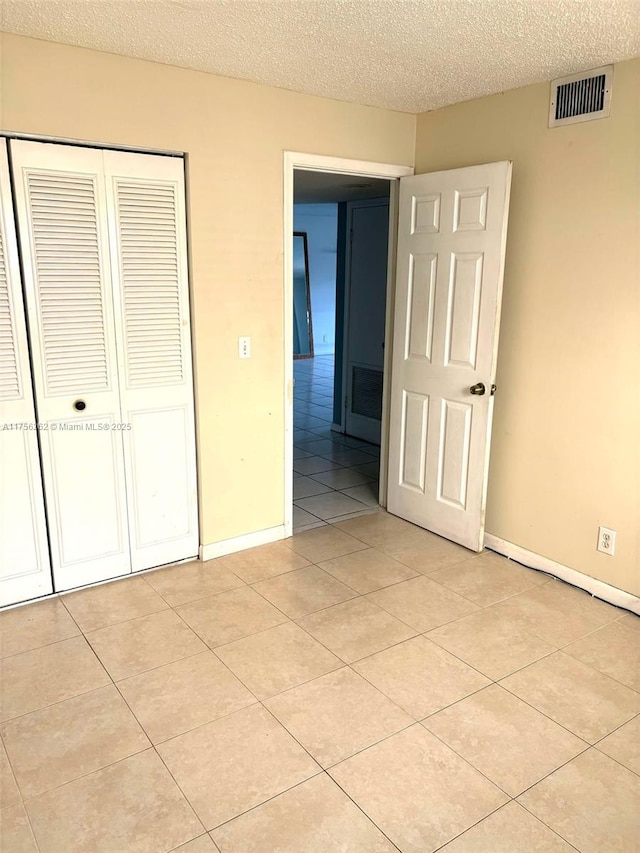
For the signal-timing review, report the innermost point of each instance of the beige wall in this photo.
(234, 134)
(565, 455)
(566, 439)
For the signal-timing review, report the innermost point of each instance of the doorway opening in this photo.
(436, 410)
(340, 274)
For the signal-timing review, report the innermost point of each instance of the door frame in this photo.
(361, 168)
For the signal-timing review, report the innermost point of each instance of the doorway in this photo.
(343, 219)
(435, 427)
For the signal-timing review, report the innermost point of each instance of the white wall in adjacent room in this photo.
(320, 221)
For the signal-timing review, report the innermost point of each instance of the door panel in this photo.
(453, 456)
(25, 571)
(422, 289)
(83, 534)
(166, 507)
(151, 298)
(463, 309)
(451, 245)
(415, 412)
(368, 223)
(63, 234)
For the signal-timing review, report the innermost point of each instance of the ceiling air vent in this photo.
(581, 97)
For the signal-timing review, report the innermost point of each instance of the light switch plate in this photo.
(244, 347)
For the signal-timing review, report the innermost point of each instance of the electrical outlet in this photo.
(607, 540)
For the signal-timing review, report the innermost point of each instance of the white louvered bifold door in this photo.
(24, 553)
(149, 266)
(62, 225)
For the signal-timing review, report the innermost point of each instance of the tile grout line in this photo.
(191, 601)
(294, 622)
(30, 824)
(615, 760)
(486, 817)
(43, 646)
(76, 695)
(20, 794)
(322, 772)
(219, 659)
(304, 402)
(481, 608)
(93, 772)
(524, 701)
(311, 612)
(166, 663)
(164, 764)
(261, 702)
(66, 699)
(362, 811)
(358, 675)
(495, 784)
(131, 618)
(617, 728)
(491, 679)
(292, 619)
(421, 719)
(150, 745)
(533, 814)
(348, 665)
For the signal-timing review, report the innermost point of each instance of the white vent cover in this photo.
(581, 97)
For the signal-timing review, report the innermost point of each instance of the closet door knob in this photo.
(478, 389)
(79, 405)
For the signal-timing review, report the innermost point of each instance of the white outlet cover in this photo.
(607, 541)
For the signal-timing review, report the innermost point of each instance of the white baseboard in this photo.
(241, 543)
(337, 428)
(608, 593)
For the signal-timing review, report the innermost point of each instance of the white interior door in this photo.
(451, 245)
(151, 295)
(24, 553)
(366, 292)
(65, 249)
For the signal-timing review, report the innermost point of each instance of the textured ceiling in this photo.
(410, 55)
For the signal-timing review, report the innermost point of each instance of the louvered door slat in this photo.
(62, 209)
(69, 281)
(147, 194)
(10, 389)
(25, 571)
(153, 346)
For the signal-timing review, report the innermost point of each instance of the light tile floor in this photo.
(364, 687)
(335, 476)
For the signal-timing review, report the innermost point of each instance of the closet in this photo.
(105, 389)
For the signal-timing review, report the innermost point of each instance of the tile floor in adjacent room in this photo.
(363, 687)
(335, 476)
